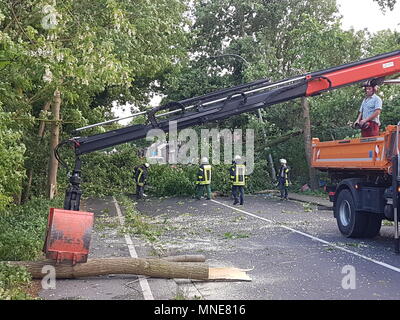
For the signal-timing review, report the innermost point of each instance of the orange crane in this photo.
(68, 235)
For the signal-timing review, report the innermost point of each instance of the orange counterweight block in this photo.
(370, 154)
(68, 236)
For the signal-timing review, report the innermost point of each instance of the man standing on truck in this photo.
(368, 116)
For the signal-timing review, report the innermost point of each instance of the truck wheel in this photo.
(373, 227)
(351, 223)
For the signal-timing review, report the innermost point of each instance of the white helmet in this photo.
(238, 158)
(204, 160)
(147, 165)
(283, 161)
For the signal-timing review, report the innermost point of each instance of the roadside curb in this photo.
(310, 199)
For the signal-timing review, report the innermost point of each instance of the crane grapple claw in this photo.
(68, 236)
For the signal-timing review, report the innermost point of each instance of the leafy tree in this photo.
(277, 39)
(386, 4)
(79, 50)
(11, 160)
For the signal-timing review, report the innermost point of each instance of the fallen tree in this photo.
(156, 268)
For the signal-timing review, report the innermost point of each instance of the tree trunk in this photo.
(307, 142)
(156, 268)
(42, 127)
(54, 140)
(270, 159)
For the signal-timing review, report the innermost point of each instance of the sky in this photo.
(359, 14)
(362, 14)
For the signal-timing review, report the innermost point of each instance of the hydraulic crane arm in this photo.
(226, 103)
(233, 101)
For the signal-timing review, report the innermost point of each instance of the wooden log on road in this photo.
(156, 268)
(185, 258)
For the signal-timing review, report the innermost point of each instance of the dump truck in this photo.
(362, 196)
(364, 181)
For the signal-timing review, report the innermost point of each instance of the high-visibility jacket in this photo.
(204, 175)
(284, 176)
(140, 174)
(238, 174)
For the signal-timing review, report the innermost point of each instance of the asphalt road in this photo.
(295, 252)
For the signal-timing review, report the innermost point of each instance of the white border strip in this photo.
(147, 294)
(383, 264)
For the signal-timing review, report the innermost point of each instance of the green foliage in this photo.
(135, 223)
(110, 172)
(165, 180)
(13, 281)
(93, 53)
(23, 228)
(386, 4)
(11, 160)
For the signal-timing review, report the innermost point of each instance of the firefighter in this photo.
(203, 182)
(283, 179)
(370, 111)
(140, 177)
(238, 180)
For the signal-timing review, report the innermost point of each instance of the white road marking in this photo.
(383, 264)
(147, 294)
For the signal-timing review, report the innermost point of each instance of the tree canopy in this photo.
(96, 54)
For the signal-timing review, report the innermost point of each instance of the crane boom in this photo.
(233, 101)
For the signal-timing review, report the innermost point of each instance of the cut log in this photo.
(185, 258)
(228, 274)
(156, 268)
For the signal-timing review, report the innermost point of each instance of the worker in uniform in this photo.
(140, 177)
(370, 110)
(238, 180)
(283, 179)
(203, 182)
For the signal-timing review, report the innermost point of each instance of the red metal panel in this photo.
(68, 236)
(380, 68)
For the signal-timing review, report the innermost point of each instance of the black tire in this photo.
(351, 223)
(373, 226)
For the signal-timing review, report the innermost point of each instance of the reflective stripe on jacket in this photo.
(140, 176)
(238, 174)
(284, 176)
(204, 175)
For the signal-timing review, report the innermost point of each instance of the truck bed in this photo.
(373, 154)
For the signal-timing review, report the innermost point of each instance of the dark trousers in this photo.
(139, 191)
(371, 130)
(283, 188)
(201, 188)
(238, 194)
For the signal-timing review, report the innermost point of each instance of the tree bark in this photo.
(54, 141)
(41, 131)
(307, 142)
(270, 159)
(42, 125)
(156, 268)
(185, 258)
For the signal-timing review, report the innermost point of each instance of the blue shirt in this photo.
(369, 106)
